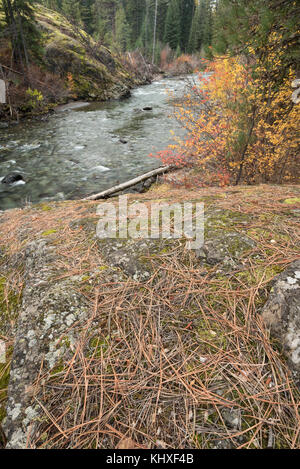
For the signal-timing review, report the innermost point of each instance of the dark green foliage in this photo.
(187, 10)
(173, 25)
(201, 28)
(239, 25)
(122, 30)
(22, 31)
(131, 24)
(135, 13)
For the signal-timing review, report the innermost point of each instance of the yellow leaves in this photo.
(234, 116)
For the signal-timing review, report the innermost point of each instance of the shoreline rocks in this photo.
(12, 178)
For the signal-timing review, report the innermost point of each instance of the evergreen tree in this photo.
(173, 25)
(187, 13)
(201, 28)
(52, 4)
(24, 35)
(72, 9)
(238, 24)
(86, 11)
(105, 19)
(207, 24)
(122, 34)
(135, 13)
(194, 43)
(161, 19)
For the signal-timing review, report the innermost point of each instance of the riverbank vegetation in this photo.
(239, 115)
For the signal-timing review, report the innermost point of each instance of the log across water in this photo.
(132, 182)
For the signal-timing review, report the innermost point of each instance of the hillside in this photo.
(143, 343)
(96, 72)
(71, 66)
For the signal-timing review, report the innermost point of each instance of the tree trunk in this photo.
(132, 182)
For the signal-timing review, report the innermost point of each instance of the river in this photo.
(77, 152)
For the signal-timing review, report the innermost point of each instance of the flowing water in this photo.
(77, 151)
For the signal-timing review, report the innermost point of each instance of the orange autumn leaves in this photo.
(237, 125)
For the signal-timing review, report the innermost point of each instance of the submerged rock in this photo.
(123, 140)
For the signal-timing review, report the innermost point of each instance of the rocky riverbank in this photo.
(143, 343)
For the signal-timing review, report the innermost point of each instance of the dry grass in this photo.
(159, 364)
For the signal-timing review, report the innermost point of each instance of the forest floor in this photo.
(165, 346)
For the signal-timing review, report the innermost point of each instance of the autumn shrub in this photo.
(34, 99)
(36, 90)
(184, 64)
(240, 122)
(138, 66)
(166, 57)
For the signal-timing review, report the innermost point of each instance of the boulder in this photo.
(281, 314)
(11, 178)
(48, 312)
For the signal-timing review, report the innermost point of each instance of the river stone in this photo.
(12, 178)
(281, 314)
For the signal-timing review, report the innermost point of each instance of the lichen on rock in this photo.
(281, 314)
(49, 310)
(115, 310)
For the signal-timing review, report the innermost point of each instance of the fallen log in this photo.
(132, 182)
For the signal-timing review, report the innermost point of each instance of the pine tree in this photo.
(161, 19)
(122, 34)
(201, 28)
(239, 23)
(173, 25)
(135, 13)
(187, 12)
(24, 35)
(194, 43)
(86, 13)
(72, 9)
(207, 24)
(105, 19)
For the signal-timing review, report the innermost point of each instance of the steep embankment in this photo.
(70, 65)
(143, 343)
(94, 72)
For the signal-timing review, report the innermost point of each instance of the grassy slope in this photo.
(98, 77)
(171, 377)
(94, 72)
